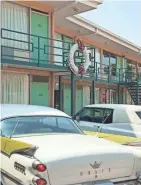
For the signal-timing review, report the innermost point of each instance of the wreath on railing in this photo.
(81, 68)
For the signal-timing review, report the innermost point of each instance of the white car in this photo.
(119, 123)
(43, 146)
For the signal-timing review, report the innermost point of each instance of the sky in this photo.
(122, 17)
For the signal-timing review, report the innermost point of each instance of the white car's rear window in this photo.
(19, 126)
(139, 114)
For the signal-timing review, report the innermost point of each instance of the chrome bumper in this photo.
(130, 182)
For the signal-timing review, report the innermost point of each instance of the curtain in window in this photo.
(14, 88)
(14, 17)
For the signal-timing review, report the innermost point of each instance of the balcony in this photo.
(33, 51)
(29, 50)
(19, 48)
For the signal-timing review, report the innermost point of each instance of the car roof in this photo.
(115, 106)
(13, 110)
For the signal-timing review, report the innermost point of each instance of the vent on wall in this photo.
(37, 78)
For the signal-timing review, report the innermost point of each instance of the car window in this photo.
(139, 114)
(97, 115)
(64, 123)
(38, 125)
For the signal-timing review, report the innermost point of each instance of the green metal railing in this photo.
(28, 49)
(31, 48)
(127, 76)
(131, 79)
(36, 50)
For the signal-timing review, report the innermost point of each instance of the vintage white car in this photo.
(119, 123)
(43, 146)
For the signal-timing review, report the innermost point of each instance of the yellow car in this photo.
(118, 123)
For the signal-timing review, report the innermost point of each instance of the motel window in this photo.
(104, 96)
(109, 63)
(113, 64)
(97, 59)
(106, 62)
(131, 65)
(91, 54)
(108, 96)
(67, 44)
(113, 96)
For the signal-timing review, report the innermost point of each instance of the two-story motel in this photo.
(36, 38)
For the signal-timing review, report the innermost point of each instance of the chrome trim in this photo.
(11, 177)
(35, 163)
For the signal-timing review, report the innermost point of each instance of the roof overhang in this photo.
(67, 8)
(100, 36)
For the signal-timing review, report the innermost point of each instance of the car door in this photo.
(104, 127)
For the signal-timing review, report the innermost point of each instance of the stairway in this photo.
(132, 89)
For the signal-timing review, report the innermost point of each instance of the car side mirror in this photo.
(77, 118)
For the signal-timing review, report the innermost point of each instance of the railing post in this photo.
(38, 51)
(72, 93)
(118, 97)
(1, 54)
(137, 89)
(93, 92)
(96, 71)
(109, 75)
(1, 47)
(119, 76)
(60, 93)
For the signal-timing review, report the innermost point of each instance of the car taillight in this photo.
(39, 167)
(41, 182)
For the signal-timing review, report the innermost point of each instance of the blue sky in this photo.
(123, 17)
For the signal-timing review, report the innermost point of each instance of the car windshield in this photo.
(34, 125)
(139, 114)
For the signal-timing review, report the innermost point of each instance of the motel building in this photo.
(36, 40)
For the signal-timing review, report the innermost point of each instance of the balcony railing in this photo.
(33, 49)
(130, 76)
(27, 49)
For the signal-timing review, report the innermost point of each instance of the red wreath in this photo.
(81, 45)
(81, 69)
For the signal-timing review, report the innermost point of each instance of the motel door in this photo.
(67, 99)
(79, 98)
(39, 27)
(39, 91)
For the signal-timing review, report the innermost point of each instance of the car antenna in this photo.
(100, 128)
(14, 129)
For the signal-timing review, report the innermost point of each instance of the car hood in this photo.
(82, 158)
